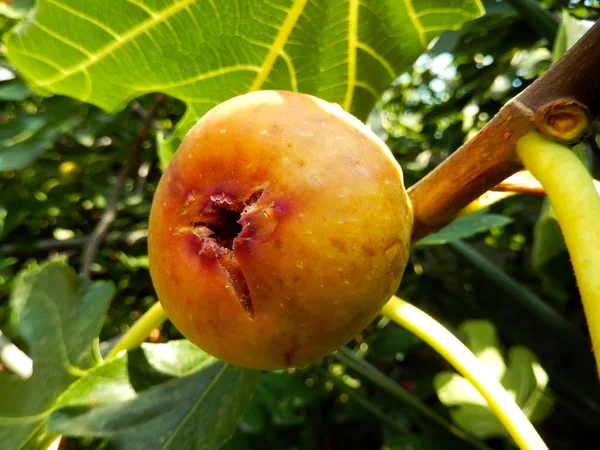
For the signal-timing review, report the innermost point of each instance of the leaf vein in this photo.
(352, 44)
(61, 38)
(412, 15)
(367, 87)
(279, 43)
(87, 18)
(376, 56)
(62, 344)
(143, 7)
(459, 11)
(129, 36)
(291, 69)
(195, 406)
(205, 76)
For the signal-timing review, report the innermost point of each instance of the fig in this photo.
(278, 230)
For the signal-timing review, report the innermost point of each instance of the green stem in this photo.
(467, 364)
(371, 373)
(570, 189)
(538, 309)
(139, 331)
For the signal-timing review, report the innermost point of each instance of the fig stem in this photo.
(573, 196)
(467, 364)
(139, 331)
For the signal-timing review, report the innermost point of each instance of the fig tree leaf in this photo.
(255, 417)
(204, 52)
(58, 315)
(14, 90)
(454, 390)
(478, 421)
(465, 227)
(153, 364)
(527, 380)
(482, 340)
(522, 376)
(198, 410)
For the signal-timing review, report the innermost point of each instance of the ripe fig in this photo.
(278, 230)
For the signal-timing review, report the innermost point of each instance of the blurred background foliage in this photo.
(61, 159)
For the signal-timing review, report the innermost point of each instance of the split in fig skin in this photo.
(217, 235)
(278, 231)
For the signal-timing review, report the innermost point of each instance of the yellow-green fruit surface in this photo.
(278, 231)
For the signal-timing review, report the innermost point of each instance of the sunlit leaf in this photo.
(465, 227)
(204, 52)
(522, 376)
(198, 410)
(59, 316)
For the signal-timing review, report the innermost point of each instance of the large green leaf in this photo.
(204, 52)
(199, 410)
(59, 316)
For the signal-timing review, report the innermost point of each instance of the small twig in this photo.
(55, 244)
(519, 188)
(110, 213)
(15, 359)
(142, 113)
(143, 172)
(520, 183)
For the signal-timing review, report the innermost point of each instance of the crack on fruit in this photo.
(224, 227)
(237, 281)
(218, 231)
(254, 198)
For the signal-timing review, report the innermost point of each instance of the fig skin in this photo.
(278, 231)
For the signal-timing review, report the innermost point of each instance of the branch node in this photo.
(564, 120)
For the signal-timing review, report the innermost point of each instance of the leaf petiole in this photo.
(467, 364)
(571, 191)
(139, 331)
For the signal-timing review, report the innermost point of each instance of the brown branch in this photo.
(110, 213)
(142, 113)
(490, 157)
(55, 244)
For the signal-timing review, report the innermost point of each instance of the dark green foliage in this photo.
(60, 158)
